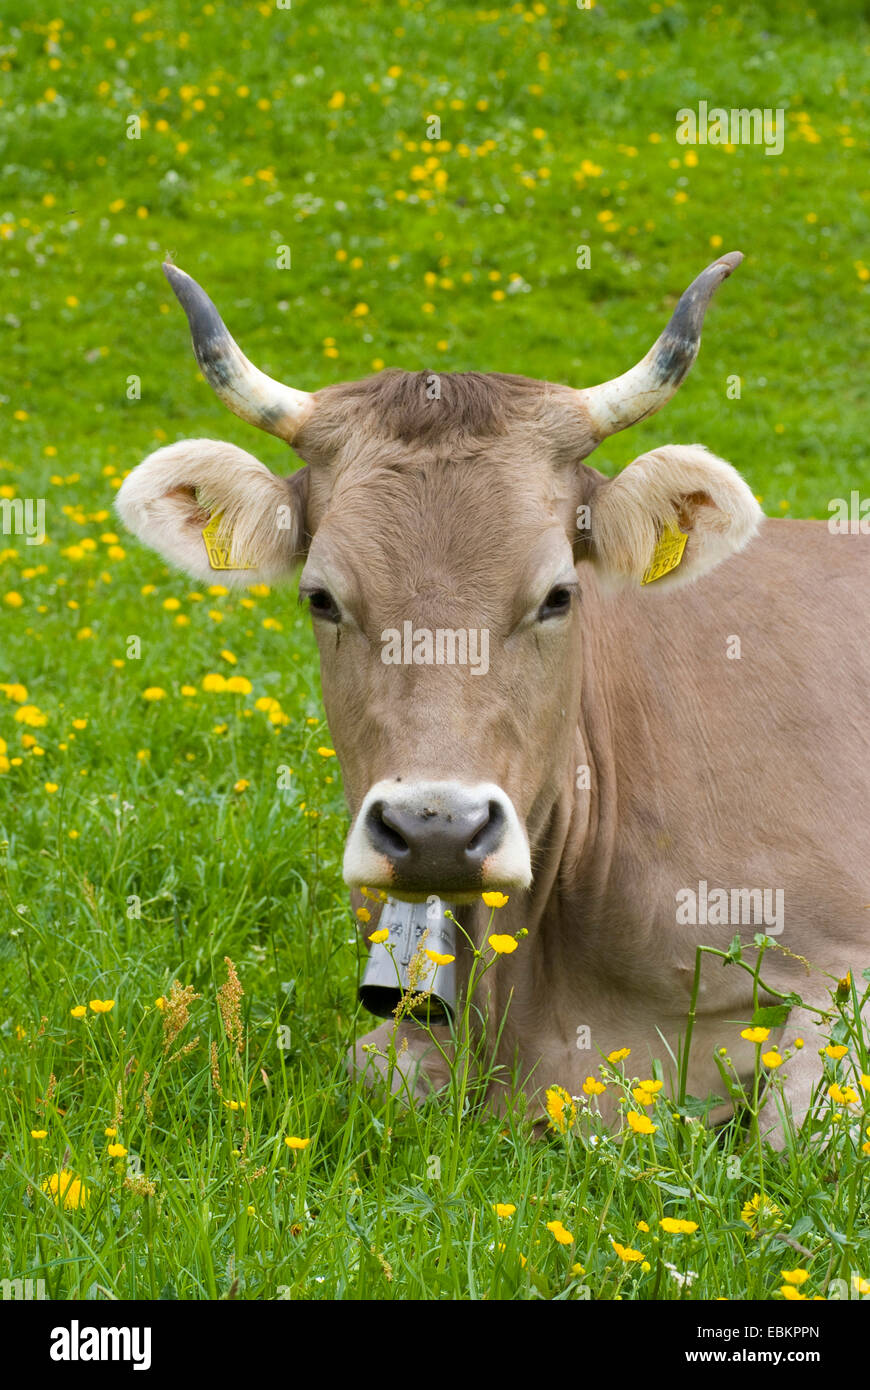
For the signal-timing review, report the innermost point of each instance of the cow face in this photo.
(437, 519)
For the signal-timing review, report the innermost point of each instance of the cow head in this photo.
(447, 525)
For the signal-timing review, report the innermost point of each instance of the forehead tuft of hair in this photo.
(430, 406)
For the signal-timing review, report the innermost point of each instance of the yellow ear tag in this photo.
(667, 554)
(219, 556)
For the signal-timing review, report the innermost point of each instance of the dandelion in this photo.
(65, 1187)
(154, 692)
(380, 935)
(238, 685)
(755, 1035)
(326, 752)
(504, 1209)
(626, 1254)
(214, 681)
(641, 1124)
(102, 1006)
(559, 1233)
(503, 945)
(293, 1142)
(758, 1210)
(675, 1227)
(438, 959)
(560, 1108)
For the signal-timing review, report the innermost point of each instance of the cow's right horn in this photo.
(616, 404)
(247, 391)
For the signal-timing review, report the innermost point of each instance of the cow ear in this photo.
(639, 518)
(255, 520)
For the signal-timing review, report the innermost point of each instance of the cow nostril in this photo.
(486, 838)
(384, 832)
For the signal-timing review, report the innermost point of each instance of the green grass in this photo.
(145, 806)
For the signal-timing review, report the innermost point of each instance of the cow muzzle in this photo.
(415, 839)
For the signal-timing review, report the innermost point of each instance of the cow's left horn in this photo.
(616, 404)
(247, 391)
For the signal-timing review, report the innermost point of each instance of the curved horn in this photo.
(616, 404)
(247, 391)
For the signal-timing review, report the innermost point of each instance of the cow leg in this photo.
(405, 1059)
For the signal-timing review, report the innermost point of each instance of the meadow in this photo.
(179, 956)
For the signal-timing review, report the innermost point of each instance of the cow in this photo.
(674, 707)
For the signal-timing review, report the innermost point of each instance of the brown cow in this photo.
(631, 756)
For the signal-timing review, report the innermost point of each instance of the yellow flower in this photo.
(757, 1209)
(641, 1124)
(795, 1276)
(326, 752)
(51, 788)
(67, 1188)
(578, 1270)
(836, 1051)
(154, 693)
(504, 1208)
(755, 1035)
(559, 1233)
(560, 1108)
(242, 785)
(789, 1292)
(843, 1095)
(160, 1003)
(79, 1011)
(214, 681)
(110, 1132)
(676, 1227)
(336, 101)
(116, 1151)
(380, 935)
(619, 1055)
(39, 1134)
(31, 715)
(188, 690)
(236, 1104)
(363, 914)
(642, 1226)
(293, 1143)
(865, 1080)
(771, 1059)
(626, 1253)
(503, 945)
(438, 959)
(14, 600)
(645, 1092)
(861, 1286)
(495, 899)
(102, 1006)
(591, 1087)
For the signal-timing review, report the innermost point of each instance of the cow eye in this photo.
(557, 602)
(323, 605)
